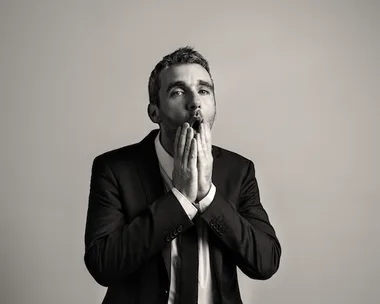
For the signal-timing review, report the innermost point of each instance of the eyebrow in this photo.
(206, 84)
(182, 84)
(175, 84)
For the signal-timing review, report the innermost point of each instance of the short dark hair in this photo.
(183, 55)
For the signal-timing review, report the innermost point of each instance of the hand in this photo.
(185, 173)
(204, 160)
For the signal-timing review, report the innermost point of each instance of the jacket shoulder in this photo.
(128, 153)
(230, 156)
(117, 155)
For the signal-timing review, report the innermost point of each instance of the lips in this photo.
(195, 122)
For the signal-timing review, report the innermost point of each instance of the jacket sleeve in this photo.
(245, 229)
(114, 249)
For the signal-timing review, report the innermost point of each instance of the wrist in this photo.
(203, 190)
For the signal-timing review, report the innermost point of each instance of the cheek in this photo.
(210, 105)
(173, 109)
(170, 117)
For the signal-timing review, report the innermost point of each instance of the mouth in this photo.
(195, 123)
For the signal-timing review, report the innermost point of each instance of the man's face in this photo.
(186, 91)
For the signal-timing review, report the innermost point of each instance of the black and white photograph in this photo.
(189, 152)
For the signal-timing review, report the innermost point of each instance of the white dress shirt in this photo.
(166, 163)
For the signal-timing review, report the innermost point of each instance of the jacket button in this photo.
(167, 238)
(179, 228)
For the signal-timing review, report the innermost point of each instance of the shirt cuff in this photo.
(207, 200)
(189, 208)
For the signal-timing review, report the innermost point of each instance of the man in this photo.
(171, 217)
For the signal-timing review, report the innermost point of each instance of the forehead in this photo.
(188, 73)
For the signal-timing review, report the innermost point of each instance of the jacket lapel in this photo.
(215, 253)
(152, 180)
(149, 168)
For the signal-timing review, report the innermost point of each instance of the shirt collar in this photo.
(165, 160)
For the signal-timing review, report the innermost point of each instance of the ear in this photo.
(154, 113)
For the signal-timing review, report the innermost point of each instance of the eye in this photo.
(176, 93)
(204, 92)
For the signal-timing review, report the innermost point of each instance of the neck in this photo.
(167, 143)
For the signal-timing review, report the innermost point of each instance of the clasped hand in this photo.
(193, 161)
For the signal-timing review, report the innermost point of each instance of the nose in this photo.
(193, 102)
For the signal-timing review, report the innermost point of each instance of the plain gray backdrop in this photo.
(297, 87)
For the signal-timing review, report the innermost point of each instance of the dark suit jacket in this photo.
(131, 221)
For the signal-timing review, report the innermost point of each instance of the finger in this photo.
(193, 155)
(186, 152)
(182, 140)
(199, 147)
(177, 134)
(203, 135)
(204, 138)
(207, 133)
(201, 154)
